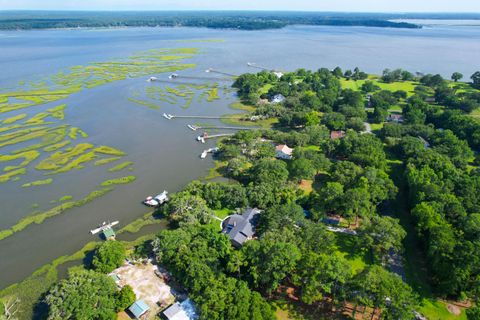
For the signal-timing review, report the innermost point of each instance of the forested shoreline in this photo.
(379, 165)
(13, 20)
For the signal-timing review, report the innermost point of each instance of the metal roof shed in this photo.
(139, 308)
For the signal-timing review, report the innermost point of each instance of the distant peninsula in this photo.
(241, 20)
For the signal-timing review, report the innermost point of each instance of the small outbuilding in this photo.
(139, 308)
(109, 234)
(282, 151)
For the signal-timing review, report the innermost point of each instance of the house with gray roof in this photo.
(241, 228)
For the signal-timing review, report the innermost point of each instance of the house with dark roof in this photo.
(241, 228)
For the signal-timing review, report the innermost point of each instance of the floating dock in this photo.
(206, 152)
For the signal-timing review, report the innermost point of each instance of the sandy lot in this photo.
(146, 285)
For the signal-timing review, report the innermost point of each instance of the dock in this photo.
(171, 116)
(206, 152)
(104, 226)
(211, 70)
(213, 136)
(195, 128)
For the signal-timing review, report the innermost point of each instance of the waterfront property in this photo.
(148, 283)
(241, 228)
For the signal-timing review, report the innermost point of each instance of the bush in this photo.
(109, 256)
(125, 298)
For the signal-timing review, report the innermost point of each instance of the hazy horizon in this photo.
(353, 6)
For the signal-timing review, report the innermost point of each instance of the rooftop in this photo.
(108, 233)
(284, 148)
(241, 228)
(138, 308)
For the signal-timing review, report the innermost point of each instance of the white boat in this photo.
(167, 116)
(152, 79)
(173, 76)
(157, 200)
(204, 154)
(104, 226)
(194, 128)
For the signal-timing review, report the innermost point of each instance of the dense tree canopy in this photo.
(84, 295)
(109, 256)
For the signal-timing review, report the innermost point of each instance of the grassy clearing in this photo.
(136, 225)
(239, 120)
(407, 86)
(222, 213)
(37, 183)
(216, 171)
(241, 106)
(346, 247)
(437, 310)
(306, 186)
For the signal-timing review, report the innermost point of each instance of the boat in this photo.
(173, 76)
(204, 154)
(157, 200)
(152, 79)
(191, 127)
(168, 116)
(104, 226)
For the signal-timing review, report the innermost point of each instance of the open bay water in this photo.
(165, 153)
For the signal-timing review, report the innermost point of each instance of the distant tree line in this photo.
(216, 20)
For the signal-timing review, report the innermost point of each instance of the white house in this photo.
(278, 98)
(283, 152)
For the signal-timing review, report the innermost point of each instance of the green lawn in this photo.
(222, 213)
(407, 86)
(345, 247)
(437, 310)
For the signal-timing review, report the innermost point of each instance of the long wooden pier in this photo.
(211, 70)
(171, 116)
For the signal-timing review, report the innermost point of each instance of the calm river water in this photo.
(165, 153)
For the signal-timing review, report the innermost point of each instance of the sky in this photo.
(471, 6)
